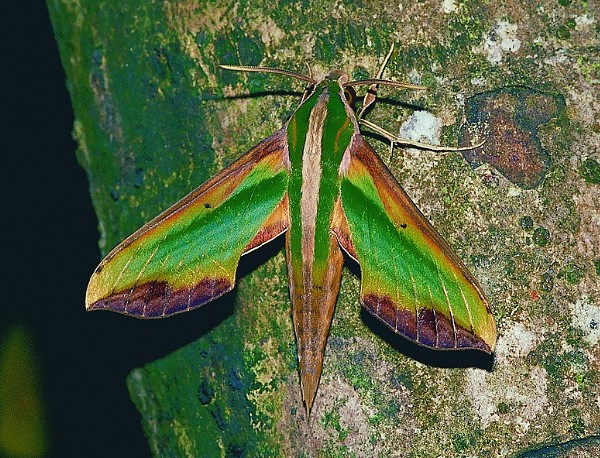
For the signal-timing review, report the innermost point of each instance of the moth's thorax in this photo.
(319, 133)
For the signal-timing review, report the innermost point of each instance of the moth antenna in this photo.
(278, 71)
(386, 83)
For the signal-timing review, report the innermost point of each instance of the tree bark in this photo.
(155, 118)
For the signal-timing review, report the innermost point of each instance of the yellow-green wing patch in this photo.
(411, 279)
(188, 255)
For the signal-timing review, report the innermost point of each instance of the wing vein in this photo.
(416, 302)
(450, 311)
(143, 269)
(467, 306)
(122, 271)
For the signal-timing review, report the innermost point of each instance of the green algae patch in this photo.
(572, 273)
(526, 223)
(590, 171)
(541, 236)
(194, 400)
(219, 396)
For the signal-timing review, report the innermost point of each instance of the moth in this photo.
(317, 181)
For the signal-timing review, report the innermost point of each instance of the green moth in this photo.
(318, 181)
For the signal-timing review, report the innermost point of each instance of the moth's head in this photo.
(335, 82)
(336, 76)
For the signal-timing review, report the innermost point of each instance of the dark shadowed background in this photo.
(50, 248)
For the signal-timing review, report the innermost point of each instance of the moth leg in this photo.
(395, 140)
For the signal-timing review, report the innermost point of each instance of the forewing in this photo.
(188, 254)
(411, 279)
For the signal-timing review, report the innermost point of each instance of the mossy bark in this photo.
(155, 118)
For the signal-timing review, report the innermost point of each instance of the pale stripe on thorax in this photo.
(311, 179)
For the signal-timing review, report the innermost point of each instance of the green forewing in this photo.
(411, 279)
(188, 255)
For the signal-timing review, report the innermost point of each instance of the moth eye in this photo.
(350, 95)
